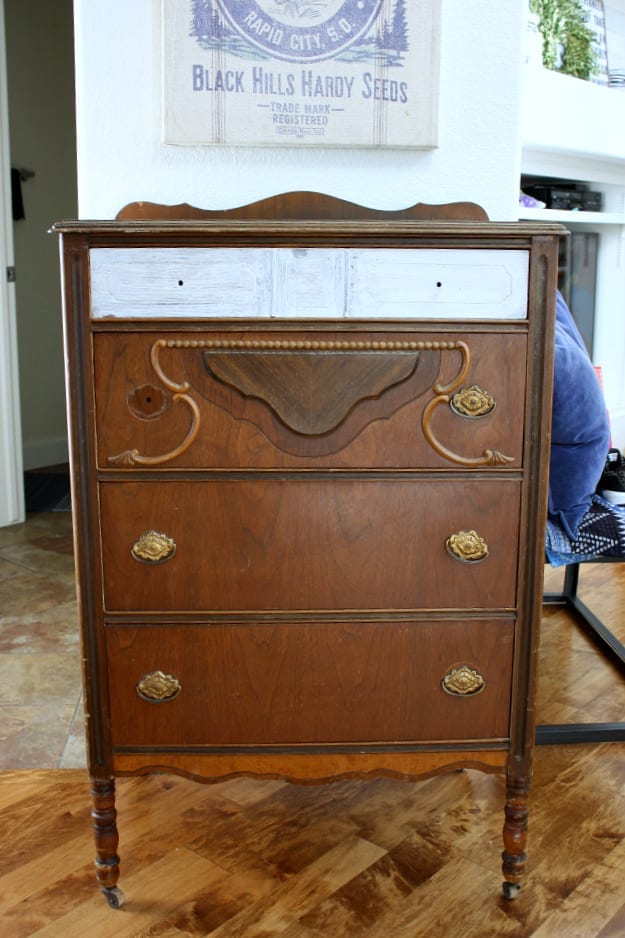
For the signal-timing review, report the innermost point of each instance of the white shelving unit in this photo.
(575, 130)
(572, 218)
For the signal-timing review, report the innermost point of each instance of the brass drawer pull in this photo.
(467, 546)
(158, 687)
(444, 395)
(153, 548)
(463, 682)
(472, 402)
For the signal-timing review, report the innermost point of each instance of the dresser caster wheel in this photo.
(114, 897)
(511, 890)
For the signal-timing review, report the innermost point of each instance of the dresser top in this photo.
(170, 228)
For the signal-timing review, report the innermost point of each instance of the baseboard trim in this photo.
(45, 453)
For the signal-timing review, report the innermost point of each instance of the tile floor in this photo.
(41, 722)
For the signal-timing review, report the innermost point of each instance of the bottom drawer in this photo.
(308, 682)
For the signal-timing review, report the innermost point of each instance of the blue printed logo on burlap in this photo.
(301, 30)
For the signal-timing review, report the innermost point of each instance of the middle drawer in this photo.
(322, 543)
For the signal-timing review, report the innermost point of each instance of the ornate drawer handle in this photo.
(467, 546)
(463, 682)
(158, 687)
(444, 395)
(472, 402)
(153, 548)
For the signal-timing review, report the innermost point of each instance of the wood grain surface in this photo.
(354, 859)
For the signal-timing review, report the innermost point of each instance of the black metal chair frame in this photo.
(607, 643)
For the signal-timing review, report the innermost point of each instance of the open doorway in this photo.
(41, 123)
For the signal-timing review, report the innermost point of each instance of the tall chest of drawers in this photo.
(309, 464)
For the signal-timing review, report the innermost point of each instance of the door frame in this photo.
(12, 509)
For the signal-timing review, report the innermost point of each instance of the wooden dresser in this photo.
(309, 461)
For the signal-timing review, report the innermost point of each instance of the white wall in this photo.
(121, 158)
(615, 33)
(42, 137)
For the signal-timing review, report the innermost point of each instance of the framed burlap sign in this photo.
(301, 72)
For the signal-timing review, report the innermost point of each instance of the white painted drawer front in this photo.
(295, 283)
(459, 284)
(149, 283)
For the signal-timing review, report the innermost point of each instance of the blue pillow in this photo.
(580, 427)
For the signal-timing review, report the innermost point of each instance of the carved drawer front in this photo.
(262, 400)
(148, 283)
(310, 682)
(302, 543)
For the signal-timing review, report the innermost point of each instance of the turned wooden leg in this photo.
(514, 836)
(106, 839)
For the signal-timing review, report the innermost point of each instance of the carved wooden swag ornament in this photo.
(334, 377)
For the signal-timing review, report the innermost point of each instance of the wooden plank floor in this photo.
(364, 859)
